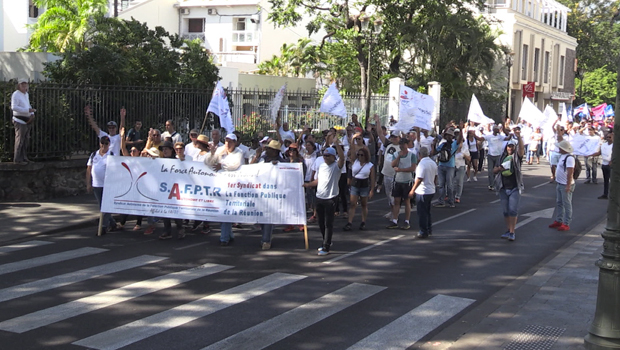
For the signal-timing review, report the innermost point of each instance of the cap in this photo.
(112, 123)
(194, 131)
(329, 151)
(457, 130)
(449, 132)
(166, 144)
(512, 142)
(293, 145)
(22, 80)
(395, 134)
(231, 137)
(104, 138)
(264, 139)
(273, 144)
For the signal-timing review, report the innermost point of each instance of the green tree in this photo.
(65, 25)
(599, 86)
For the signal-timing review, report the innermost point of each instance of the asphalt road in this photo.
(377, 288)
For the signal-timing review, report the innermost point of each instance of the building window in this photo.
(33, 10)
(196, 25)
(546, 68)
(239, 23)
(524, 63)
(536, 64)
(561, 82)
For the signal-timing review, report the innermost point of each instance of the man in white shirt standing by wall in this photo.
(23, 116)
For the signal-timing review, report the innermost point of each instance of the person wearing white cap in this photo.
(565, 187)
(508, 183)
(226, 158)
(115, 138)
(23, 116)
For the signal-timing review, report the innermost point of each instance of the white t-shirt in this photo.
(115, 142)
(328, 177)
(560, 171)
(98, 164)
(459, 157)
(606, 153)
(426, 142)
(287, 134)
(191, 150)
(534, 139)
(496, 144)
(388, 170)
(246, 151)
(176, 137)
(309, 159)
(427, 171)
(360, 172)
(200, 157)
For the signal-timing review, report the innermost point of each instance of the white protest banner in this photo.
(585, 145)
(219, 106)
(549, 118)
(475, 113)
(257, 193)
(276, 103)
(415, 110)
(531, 114)
(332, 102)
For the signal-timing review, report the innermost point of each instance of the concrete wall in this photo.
(24, 65)
(155, 13)
(13, 20)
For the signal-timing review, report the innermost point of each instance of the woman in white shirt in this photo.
(534, 141)
(362, 184)
(461, 159)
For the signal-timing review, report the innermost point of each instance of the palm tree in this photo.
(65, 24)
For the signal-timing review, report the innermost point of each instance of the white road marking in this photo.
(180, 315)
(269, 332)
(414, 325)
(190, 246)
(49, 259)
(542, 184)
(20, 246)
(99, 301)
(74, 277)
(362, 250)
(453, 217)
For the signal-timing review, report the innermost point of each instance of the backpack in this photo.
(576, 169)
(445, 152)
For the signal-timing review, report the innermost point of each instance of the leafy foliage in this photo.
(128, 52)
(599, 86)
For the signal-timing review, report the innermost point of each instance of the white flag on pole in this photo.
(475, 113)
(415, 110)
(332, 102)
(219, 106)
(549, 118)
(277, 103)
(531, 114)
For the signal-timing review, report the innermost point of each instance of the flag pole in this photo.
(306, 236)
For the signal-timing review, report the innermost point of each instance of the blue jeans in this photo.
(108, 220)
(267, 230)
(459, 176)
(564, 204)
(527, 153)
(446, 182)
(510, 202)
(226, 233)
(423, 203)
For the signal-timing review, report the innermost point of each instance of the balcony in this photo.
(237, 57)
(192, 36)
(244, 38)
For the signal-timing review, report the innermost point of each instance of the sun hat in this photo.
(203, 139)
(566, 146)
(153, 152)
(273, 144)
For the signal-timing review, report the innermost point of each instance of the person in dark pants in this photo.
(167, 149)
(23, 116)
(326, 182)
(424, 190)
(605, 153)
(95, 176)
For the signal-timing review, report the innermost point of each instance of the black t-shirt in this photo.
(135, 135)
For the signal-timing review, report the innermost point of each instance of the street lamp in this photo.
(604, 331)
(508, 59)
(369, 33)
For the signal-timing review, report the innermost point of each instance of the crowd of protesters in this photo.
(344, 167)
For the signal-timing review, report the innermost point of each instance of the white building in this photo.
(542, 50)
(15, 15)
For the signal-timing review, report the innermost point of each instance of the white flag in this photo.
(415, 110)
(219, 106)
(549, 118)
(475, 113)
(332, 102)
(531, 114)
(276, 103)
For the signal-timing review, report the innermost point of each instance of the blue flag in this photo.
(609, 111)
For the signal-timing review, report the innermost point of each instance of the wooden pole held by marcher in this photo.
(100, 224)
(306, 236)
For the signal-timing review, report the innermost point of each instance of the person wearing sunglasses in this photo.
(192, 149)
(362, 184)
(95, 176)
(112, 127)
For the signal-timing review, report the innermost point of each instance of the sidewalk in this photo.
(24, 219)
(549, 310)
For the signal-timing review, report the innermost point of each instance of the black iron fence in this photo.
(452, 109)
(61, 130)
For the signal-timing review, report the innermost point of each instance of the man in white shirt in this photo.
(326, 182)
(112, 134)
(23, 116)
(424, 191)
(605, 151)
(496, 147)
(564, 188)
(284, 131)
(171, 133)
(191, 149)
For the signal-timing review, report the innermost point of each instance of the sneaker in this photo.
(289, 228)
(347, 227)
(511, 237)
(393, 225)
(452, 206)
(506, 235)
(468, 179)
(475, 179)
(321, 247)
(587, 181)
(388, 216)
(439, 205)
(345, 215)
(603, 197)
(266, 245)
(595, 182)
(165, 236)
(323, 252)
(181, 233)
(206, 230)
(490, 188)
(223, 244)
(137, 228)
(405, 227)
(312, 219)
(564, 228)
(378, 189)
(149, 230)
(555, 224)
(362, 225)
(422, 235)
(237, 226)
(457, 200)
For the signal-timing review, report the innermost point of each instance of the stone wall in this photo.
(45, 180)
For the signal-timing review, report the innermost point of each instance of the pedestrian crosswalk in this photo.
(310, 310)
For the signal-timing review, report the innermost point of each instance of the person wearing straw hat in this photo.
(23, 116)
(564, 188)
(203, 146)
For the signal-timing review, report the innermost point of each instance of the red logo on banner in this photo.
(528, 89)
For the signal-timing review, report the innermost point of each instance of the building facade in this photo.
(15, 15)
(541, 51)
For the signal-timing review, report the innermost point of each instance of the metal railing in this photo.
(62, 131)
